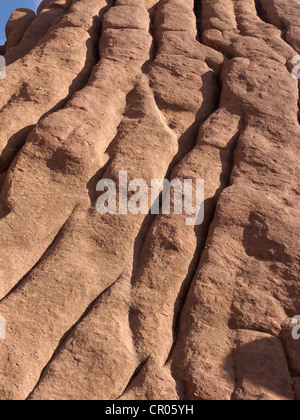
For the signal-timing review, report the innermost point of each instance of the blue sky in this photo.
(6, 9)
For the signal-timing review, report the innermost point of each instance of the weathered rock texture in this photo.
(145, 307)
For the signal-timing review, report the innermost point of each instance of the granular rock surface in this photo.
(144, 306)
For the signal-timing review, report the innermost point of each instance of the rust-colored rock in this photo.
(145, 306)
(17, 26)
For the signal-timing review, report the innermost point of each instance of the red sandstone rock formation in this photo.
(144, 306)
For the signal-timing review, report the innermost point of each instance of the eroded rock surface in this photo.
(144, 306)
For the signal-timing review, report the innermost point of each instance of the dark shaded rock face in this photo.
(144, 306)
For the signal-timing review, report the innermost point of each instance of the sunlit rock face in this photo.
(146, 306)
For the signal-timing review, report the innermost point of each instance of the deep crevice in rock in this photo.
(198, 14)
